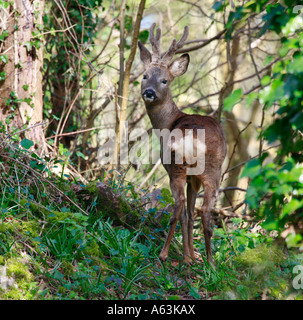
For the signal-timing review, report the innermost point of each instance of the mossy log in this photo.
(105, 202)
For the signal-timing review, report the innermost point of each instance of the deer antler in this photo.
(155, 42)
(164, 58)
(167, 56)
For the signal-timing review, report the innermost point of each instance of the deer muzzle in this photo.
(149, 95)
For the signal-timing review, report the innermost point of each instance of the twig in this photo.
(74, 132)
(201, 195)
(41, 176)
(250, 51)
(28, 128)
(205, 43)
(76, 97)
(150, 173)
(53, 31)
(261, 130)
(121, 52)
(254, 157)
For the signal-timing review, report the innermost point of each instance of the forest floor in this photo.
(62, 239)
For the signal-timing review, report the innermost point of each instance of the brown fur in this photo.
(164, 113)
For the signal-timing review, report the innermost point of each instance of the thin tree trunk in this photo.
(232, 129)
(23, 82)
(128, 65)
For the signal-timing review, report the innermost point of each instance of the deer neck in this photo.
(162, 116)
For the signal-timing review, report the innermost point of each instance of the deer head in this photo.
(159, 69)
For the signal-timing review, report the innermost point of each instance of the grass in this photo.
(50, 249)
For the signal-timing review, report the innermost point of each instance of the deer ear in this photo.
(179, 65)
(145, 55)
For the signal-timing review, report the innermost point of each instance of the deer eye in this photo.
(164, 81)
(144, 76)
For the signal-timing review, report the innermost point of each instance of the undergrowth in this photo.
(51, 249)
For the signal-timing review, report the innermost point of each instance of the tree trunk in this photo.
(126, 79)
(21, 103)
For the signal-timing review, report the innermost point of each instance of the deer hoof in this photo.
(163, 256)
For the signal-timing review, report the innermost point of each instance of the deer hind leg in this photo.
(184, 220)
(177, 187)
(191, 200)
(210, 194)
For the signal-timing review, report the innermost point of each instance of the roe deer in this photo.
(164, 114)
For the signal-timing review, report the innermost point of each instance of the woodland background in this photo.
(73, 228)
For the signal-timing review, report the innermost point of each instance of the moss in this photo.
(92, 249)
(2, 227)
(68, 268)
(17, 269)
(62, 290)
(22, 291)
(30, 228)
(23, 286)
(125, 209)
(260, 275)
(57, 216)
(91, 187)
(2, 260)
(9, 226)
(260, 258)
(38, 210)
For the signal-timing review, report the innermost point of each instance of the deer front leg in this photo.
(177, 188)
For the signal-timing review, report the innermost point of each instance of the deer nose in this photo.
(149, 94)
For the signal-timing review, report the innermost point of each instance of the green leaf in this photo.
(250, 98)
(293, 240)
(2, 75)
(219, 5)
(4, 34)
(28, 45)
(290, 207)
(270, 224)
(266, 80)
(143, 36)
(26, 143)
(80, 154)
(4, 58)
(232, 100)
(252, 169)
(58, 275)
(296, 66)
(194, 293)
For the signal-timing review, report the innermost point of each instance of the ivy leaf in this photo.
(252, 169)
(219, 5)
(232, 100)
(194, 293)
(28, 45)
(2, 75)
(26, 143)
(4, 58)
(80, 154)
